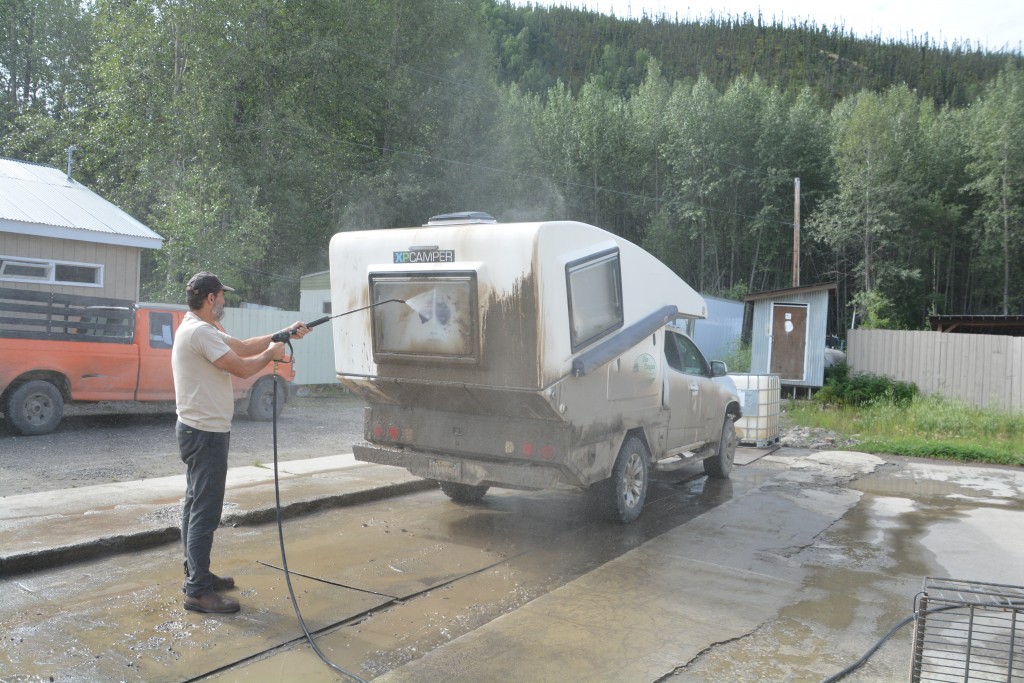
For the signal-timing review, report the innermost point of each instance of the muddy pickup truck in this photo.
(58, 348)
(526, 356)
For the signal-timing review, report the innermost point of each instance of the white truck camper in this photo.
(525, 356)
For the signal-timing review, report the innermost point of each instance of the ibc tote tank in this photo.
(760, 396)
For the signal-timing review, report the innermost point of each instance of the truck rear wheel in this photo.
(463, 493)
(719, 465)
(261, 399)
(628, 484)
(35, 407)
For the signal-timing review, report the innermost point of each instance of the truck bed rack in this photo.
(26, 314)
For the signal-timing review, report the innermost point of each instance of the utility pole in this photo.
(796, 232)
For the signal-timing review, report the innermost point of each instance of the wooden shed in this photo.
(788, 334)
(56, 235)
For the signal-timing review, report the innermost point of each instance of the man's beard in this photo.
(218, 312)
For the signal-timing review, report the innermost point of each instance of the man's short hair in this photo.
(200, 286)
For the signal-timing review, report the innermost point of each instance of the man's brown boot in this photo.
(223, 583)
(220, 583)
(212, 603)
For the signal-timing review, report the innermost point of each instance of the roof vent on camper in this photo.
(462, 218)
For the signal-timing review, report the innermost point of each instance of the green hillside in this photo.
(247, 132)
(538, 46)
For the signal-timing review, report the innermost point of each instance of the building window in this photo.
(20, 269)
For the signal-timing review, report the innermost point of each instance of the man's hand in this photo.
(299, 330)
(276, 350)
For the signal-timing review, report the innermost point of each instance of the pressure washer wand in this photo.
(285, 335)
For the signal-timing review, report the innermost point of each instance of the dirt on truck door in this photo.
(683, 384)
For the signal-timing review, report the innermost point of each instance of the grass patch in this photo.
(738, 357)
(924, 426)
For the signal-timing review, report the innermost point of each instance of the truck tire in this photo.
(261, 399)
(463, 493)
(719, 465)
(626, 490)
(35, 407)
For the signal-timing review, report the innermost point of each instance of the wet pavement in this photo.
(790, 571)
(56, 527)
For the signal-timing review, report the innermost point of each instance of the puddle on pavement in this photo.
(863, 574)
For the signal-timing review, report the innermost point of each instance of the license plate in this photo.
(444, 469)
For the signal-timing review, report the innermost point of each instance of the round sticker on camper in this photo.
(645, 368)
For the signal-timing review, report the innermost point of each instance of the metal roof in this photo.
(790, 291)
(1008, 325)
(40, 200)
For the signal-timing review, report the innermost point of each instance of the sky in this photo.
(994, 24)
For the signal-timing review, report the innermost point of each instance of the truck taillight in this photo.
(529, 449)
(391, 432)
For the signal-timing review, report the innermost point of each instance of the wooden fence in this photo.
(980, 369)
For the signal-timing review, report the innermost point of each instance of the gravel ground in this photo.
(113, 442)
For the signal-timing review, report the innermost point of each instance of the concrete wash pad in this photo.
(133, 627)
(816, 556)
(649, 612)
(136, 625)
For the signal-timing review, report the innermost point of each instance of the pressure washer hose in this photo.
(284, 558)
(285, 336)
(881, 641)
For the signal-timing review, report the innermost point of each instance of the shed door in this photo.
(789, 341)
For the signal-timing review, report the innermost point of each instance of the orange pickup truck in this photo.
(56, 348)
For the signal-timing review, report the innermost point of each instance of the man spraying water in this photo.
(203, 359)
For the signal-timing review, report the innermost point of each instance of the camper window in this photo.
(595, 297)
(435, 319)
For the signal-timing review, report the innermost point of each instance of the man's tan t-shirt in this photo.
(203, 393)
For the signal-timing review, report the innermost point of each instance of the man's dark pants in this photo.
(205, 455)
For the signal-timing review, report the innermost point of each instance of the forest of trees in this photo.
(247, 132)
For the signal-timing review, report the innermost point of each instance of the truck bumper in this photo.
(475, 472)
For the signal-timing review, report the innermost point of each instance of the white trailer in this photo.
(527, 356)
